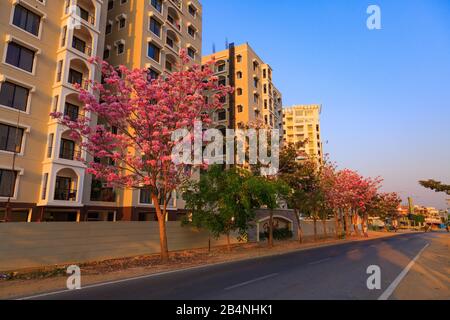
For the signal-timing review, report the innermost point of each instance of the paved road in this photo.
(336, 272)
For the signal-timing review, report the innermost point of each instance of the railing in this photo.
(69, 153)
(90, 18)
(174, 22)
(84, 83)
(84, 49)
(171, 43)
(177, 3)
(65, 194)
(103, 195)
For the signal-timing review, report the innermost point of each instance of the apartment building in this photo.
(255, 99)
(150, 34)
(45, 49)
(302, 123)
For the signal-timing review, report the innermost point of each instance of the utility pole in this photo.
(13, 168)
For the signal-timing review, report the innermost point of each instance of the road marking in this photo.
(353, 251)
(386, 294)
(251, 281)
(320, 261)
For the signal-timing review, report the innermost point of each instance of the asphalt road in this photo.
(336, 272)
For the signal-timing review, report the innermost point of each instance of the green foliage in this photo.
(436, 186)
(417, 218)
(220, 201)
(278, 234)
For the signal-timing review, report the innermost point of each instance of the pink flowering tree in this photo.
(128, 124)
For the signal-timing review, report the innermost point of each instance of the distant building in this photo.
(302, 123)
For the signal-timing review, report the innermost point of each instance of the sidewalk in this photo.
(54, 278)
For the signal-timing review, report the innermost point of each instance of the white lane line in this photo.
(251, 281)
(386, 294)
(320, 261)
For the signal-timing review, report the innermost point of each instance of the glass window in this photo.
(26, 19)
(20, 56)
(7, 182)
(10, 138)
(155, 27)
(157, 4)
(14, 96)
(153, 52)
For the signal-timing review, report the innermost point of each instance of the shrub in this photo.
(278, 234)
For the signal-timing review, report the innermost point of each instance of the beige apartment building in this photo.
(255, 98)
(45, 50)
(302, 123)
(150, 34)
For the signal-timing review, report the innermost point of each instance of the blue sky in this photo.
(385, 93)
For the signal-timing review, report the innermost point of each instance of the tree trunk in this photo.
(364, 225)
(315, 227)
(324, 223)
(162, 229)
(355, 222)
(347, 223)
(299, 226)
(271, 229)
(336, 223)
(228, 241)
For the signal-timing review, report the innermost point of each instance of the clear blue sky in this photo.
(385, 94)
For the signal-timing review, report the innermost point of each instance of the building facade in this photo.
(255, 98)
(45, 50)
(302, 123)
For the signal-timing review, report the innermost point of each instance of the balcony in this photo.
(82, 41)
(65, 185)
(69, 149)
(65, 194)
(172, 41)
(99, 193)
(79, 73)
(173, 18)
(85, 9)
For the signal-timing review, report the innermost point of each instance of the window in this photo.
(255, 82)
(71, 111)
(106, 54)
(222, 115)
(26, 20)
(10, 138)
(191, 31)
(157, 4)
(122, 22)
(75, 77)
(120, 48)
(14, 96)
(67, 150)
(20, 57)
(59, 71)
(109, 28)
(240, 108)
(145, 196)
(192, 10)
(239, 58)
(155, 27)
(84, 14)
(239, 75)
(191, 52)
(256, 98)
(51, 136)
(79, 44)
(44, 186)
(221, 67)
(265, 73)
(63, 36)
(154, 52)
(239, 92)
(7, 182)
(123, 1)
(152, 74)
(110, 4)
